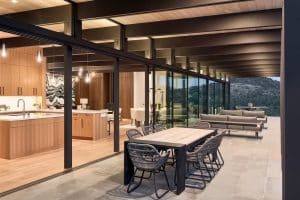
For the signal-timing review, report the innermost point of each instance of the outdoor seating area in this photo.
(196, 162)
(236, 120)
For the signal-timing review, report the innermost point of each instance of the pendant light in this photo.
(39, 58)
(93, 74)
(76, 79)
(3, 52)
(87, 78)
(80, 71)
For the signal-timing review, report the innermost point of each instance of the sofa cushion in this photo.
(259, 114)
(242, 119)
(213, 117)
(217, 125)
(235, 127)
(232, 112)
(252, 128)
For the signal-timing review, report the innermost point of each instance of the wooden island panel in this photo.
(89, 126)
(26, 137)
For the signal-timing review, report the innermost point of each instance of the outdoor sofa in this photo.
(259, 114)
(229, 122)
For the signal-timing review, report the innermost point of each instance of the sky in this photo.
(275, 78)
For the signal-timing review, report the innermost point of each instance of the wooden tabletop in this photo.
(175, 137)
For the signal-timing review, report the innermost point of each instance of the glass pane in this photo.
(203, 95)
(211, 99)
(193, 99)
(180, 100)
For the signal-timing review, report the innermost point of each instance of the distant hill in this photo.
(259, 91)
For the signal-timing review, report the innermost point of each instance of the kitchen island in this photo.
(23, 135)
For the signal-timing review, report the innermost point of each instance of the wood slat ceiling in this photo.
(244, 60)
(201, 11)
(7, 7)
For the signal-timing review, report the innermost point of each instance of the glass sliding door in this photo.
(203, 96)
(180, 100)
(193, 99)
(211, 97)
(163, 94)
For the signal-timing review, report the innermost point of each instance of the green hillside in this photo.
(259, 91)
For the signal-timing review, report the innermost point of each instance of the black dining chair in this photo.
(133, 133)
(146, 158)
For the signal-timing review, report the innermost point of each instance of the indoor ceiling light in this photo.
(201, 71)
(39, 58)
(3, 52)
(87, 78)
(80, 72)
(14, 1)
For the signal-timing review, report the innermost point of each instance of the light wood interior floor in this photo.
(21, 171)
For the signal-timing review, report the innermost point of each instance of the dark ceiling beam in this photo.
(257, 19)
(267, 19)
(250, 68)
(52, 15)
(89, 64)
(223, 39)
(236, 57)
(245, 62)
(225, 50)
(256, 75)
(80, 58)
(113, 8)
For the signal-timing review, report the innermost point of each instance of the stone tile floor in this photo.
(252, 171)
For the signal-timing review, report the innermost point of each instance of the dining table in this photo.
(179, 139)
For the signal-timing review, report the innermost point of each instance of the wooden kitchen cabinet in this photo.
(89, 126)
(20, 74)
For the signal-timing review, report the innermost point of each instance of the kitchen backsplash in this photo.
(11, 101)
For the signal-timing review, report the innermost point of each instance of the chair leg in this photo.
(221, 157)
(155, 187)
(129, 190)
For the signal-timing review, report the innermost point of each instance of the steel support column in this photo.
(153, 97)
(116, 92)
(290, 97)
(207, 96)
(147, 96)
(68, 107)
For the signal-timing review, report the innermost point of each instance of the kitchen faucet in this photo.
(24, 113)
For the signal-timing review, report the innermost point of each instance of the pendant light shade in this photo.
(80, 72)
(93, 74)
(39, 58)
(3, 51)
(87, 78)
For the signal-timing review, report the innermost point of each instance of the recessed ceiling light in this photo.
(14, 1)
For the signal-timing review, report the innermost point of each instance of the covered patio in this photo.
(252, 171)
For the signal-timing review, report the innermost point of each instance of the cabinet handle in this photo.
(21, 91)
(3, 90)
(18, 91)
(0, 90)
(81, 123)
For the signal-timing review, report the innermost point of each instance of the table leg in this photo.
(128, 166)
(180, 168)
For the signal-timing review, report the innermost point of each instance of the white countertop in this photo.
(32, 116)
(12, 115)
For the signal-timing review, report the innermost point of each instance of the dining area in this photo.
(185, 157)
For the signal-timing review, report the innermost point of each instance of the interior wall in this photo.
(139, 90)
(126, 93)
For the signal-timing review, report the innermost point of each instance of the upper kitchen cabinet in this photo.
(21, 74)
